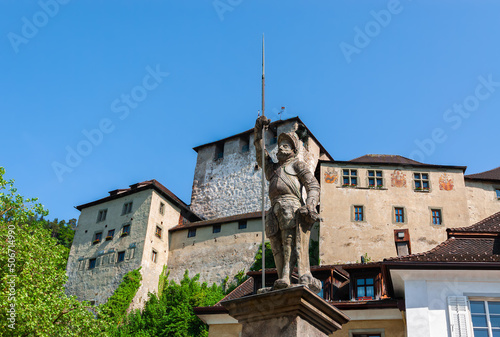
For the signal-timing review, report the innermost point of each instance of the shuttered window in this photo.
(458, 309)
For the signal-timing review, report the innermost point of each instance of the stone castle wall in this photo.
(99, 283)
(214, 256)
(232, 185)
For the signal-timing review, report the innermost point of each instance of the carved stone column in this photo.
(290, 312)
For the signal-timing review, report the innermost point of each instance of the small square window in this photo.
(358, 213)
(101, 216)
(162, 208)
(399, 214)
(97, 238)
(121, 257)
(158, 232)
(191, 232)
(421, 181)
(365, 288)
(92, 263)
(216, 229)
(242, 224)
(111, 234)
(126, 230)
(154, 256)
(375, 179)
(127, 208)
(437, 217)
(349, 177)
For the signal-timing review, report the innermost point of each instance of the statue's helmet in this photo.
(292, 138)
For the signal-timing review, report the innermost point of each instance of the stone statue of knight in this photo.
(289, 219)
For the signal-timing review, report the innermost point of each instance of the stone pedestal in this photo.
(290, 312)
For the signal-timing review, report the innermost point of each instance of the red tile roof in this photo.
(232, 218)
(458, 250)
(244, 289)
(477, 243)
(273, 124)
(489, 225)
(144, 185)
(493, 174)
(392, 160)
(386, 159)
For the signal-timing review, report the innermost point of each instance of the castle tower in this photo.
(227, 180)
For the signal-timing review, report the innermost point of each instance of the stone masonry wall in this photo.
(99, 283)
(214, 256)
(232, 184)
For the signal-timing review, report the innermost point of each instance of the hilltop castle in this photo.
(379, 205)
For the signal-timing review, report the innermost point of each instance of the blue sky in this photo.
(157, 78)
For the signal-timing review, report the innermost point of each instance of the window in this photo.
(375, 178)
(121, 257)
(358, 213)
(216, 229)
(402, 241)
(421, 181)
(365, 288)
(162, 208)
(101, 216)
(219, 150)
(97, 238)
(399, 215)
(126, 230)
(191, 232)
(485, 318)
(127, 208)
(92, 263)
(245, 143)
(497, 191)
(367, 335)
(349, 177)
(110, 235)
(273, 139)
(154, 256)
(158, 232)
(437, 217)
(242, 224)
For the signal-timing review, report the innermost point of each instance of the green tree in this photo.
(32, 297)
(171, 314)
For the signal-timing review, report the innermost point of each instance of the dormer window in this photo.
(365, 288)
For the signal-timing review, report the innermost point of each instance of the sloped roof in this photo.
(392, 160)
(493, 174)
(477, 243)
(244, 289)
(232, 218)
(273, 124)
(386, 159)
(458, 250)
(489, 225)
(144, 185)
